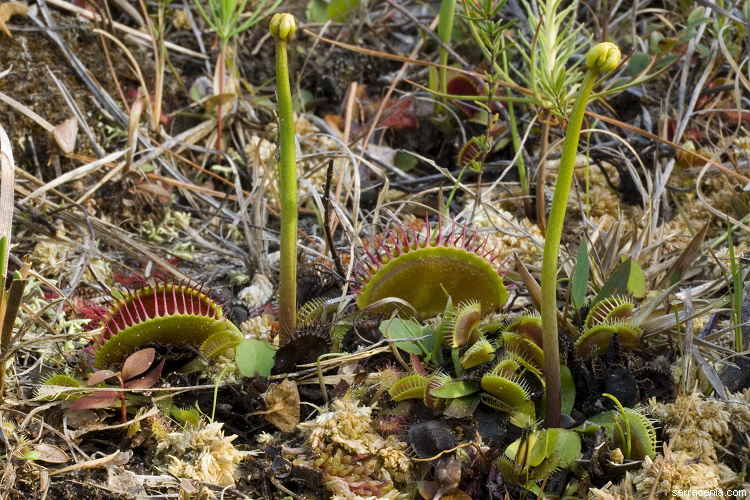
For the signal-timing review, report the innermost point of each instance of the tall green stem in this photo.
(282, 27)
(603, 57)
(445, 29)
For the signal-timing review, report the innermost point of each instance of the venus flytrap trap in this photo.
(282, 28)
(602, 58)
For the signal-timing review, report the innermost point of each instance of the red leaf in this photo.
(147, 380)
(103, 399)
(100, 376)
(138, 362)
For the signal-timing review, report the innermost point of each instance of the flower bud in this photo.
(283, 26)
(603, 57)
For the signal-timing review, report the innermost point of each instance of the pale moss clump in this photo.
(258, 327)
(507, 234)
(704, 431)
(705, 424)
(347, 424)
(214, 457)
(695, 373)
(54, 257)
(675, 473)
(258, 294)
(356, 462)
(698, 441)
(225, 365)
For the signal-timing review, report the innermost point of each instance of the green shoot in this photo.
(282, 27)
(216, 394)
(445, 30)
(625, 440)
(603, 57)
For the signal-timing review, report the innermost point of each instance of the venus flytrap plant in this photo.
(282, 27)
(602, 58)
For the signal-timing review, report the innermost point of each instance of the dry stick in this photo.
(327, 219)
(26, 112)
(113, 73)
(736, 175)
(11, 302)
(74, 174)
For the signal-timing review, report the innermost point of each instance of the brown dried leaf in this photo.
(51, 454)
(65, 135)
(535, 293)
(685, 260)
(84, 418)
(8, 10)
(282, 405)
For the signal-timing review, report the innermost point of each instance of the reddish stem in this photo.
(122, 400)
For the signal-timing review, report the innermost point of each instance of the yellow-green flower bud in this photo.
(603, 57)
(283, 26)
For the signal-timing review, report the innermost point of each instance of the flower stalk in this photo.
(282, 28)
(602, 58)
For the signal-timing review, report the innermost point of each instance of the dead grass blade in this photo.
(535, 292)
(74, 174)
(685, 259)
(393, 57)
(27, 112)
(7, 176)
(735, 175)
(611, 249)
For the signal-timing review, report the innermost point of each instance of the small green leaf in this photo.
(316, 11)
(255, 355)
(637, 281)
(627, 278)
(456, 389)
(337, 10)
(31, 455)
(568, 387)
(638, 62)
(462, 407)
(405, 161)
(398, 328)
(580, 280)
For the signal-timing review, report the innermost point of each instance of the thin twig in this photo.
(327, 221)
